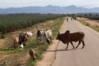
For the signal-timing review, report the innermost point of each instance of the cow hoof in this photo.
(74, 48)
(66, 48)
(82, 48)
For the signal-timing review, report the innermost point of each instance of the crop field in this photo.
(12, 22)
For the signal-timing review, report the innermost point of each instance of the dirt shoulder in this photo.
(50, 55)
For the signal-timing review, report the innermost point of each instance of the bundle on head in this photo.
(68, 37)
(32, 54)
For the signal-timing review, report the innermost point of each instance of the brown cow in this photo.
(68, 37)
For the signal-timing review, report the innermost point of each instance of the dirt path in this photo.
(89, 56)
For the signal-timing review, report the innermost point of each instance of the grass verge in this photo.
(95, 27)
(40, 48)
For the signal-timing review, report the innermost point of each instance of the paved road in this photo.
(89, 56)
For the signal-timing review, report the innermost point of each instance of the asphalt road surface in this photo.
(89, 56)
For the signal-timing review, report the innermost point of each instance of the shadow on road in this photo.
(59, 50)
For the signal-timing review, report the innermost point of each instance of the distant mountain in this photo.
(50, 9)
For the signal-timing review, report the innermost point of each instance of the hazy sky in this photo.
(25, 3)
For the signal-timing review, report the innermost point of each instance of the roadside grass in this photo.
(95, 27)
(57, 25)
(42, 47)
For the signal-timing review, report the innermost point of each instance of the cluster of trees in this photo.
(94, 16)
(12, 22)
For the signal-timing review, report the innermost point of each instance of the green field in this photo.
(12, 22)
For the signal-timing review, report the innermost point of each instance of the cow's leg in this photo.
(67, 45)
(48, 41)
(51, 39)
(83, 44)
(72, 44)
(24, 43)
(78, 44)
